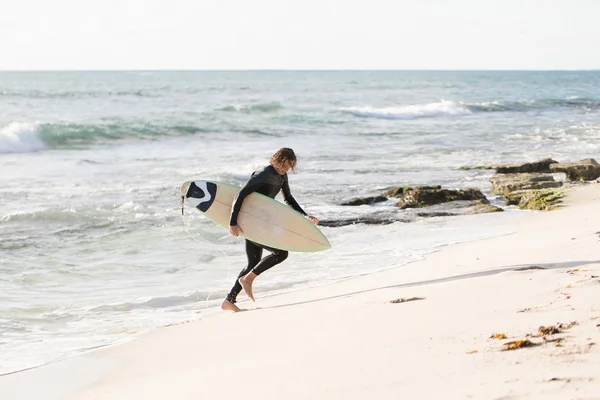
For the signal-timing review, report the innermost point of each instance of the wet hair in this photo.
(282, 155)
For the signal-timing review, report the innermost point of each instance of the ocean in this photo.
(94, 249)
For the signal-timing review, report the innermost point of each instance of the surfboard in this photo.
(263, 220)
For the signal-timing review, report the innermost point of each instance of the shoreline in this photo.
(198, 310)
(208, 311)
(326, 325)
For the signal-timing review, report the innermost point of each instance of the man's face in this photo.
(283, 167)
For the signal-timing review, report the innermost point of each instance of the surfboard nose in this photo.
(325, 243)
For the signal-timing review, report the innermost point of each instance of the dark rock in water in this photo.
(398, 191)
(359, 220)
(538, 166)
(584, 170)
(478, 167)
(544, 199)
(507, 183)
(389, 215)
(425, 197)
(359, 201)
(435, 214)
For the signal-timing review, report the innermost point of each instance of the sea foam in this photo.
(436, 109)
(20, 137)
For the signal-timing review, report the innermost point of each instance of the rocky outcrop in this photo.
(419, 197)
(538, 166)
(506, 183)
(530, 186)
(399, 191)
(462, 208)
(544, 199)
(584, 170)
(388, 215)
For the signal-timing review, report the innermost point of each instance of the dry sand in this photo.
(351, 341)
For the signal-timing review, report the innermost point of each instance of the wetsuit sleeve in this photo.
(253, 184)
(289, 199)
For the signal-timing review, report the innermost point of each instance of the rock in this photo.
(398, 191)
(544, 199)
(425, 197)
(481, 207)
(584, 170)
(538, 166)
(462, 208)
(359, 201)
(432, 214)
(478, 167)
(359, 220)
(507, 183)
(388, 215)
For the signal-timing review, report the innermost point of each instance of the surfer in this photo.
(269, 181)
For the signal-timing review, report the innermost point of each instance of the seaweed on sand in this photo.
(405, 300)
(519, 344)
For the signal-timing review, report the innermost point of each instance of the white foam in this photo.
(20, 137)
(436, 109)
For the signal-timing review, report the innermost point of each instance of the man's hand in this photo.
(312, 219)
(235, 230)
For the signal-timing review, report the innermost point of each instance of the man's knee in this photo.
(281, 255)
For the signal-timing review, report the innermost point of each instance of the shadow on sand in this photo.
(496, 271)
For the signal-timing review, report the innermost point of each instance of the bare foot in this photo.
(229, 306)
(246, 282)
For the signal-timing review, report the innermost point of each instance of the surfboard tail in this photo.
(184, 188)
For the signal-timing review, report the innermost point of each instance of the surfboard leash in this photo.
(203, 241)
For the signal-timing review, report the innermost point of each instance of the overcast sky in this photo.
(301, 34)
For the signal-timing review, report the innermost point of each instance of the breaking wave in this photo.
(437, 109)
(448, 108)
(26, 137)
(21, 137)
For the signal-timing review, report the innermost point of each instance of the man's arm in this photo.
(253, 184)
(289, 199)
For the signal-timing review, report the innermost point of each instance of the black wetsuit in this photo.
(266, 181)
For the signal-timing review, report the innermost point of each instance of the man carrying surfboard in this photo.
(268, 181)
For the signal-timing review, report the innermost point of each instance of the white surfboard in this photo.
(264, 220)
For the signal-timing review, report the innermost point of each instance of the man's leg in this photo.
(254, 253)
(276, 257)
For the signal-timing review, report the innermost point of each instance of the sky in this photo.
(300, 34)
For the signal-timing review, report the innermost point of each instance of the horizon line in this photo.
(300, 70)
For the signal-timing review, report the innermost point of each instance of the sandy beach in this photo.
(440, 328)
